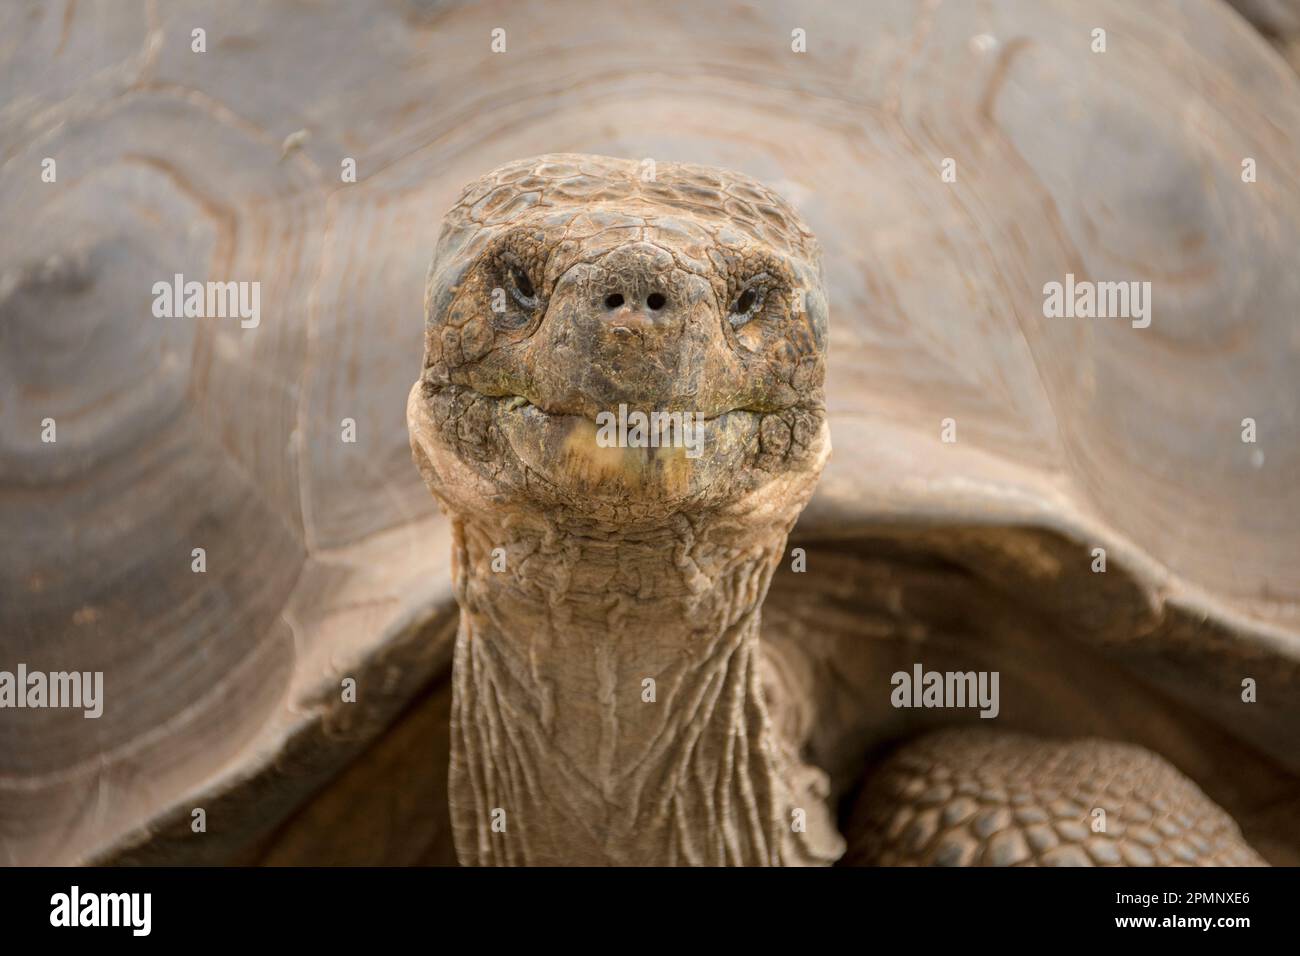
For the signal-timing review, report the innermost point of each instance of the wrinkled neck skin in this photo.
(608, 696)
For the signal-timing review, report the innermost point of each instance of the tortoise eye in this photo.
(513, 278)
(521, 287)
(747, 305)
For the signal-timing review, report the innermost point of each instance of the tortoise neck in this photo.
(607, 704)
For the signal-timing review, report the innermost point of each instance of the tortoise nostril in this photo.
(613, 300)
(655, 301)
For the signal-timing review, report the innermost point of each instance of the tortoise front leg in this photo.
(988, 798)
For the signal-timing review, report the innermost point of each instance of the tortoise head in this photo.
(602, 335)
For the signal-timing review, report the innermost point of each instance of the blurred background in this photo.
(312, 147)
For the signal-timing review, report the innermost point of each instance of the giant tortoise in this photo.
(220, 514)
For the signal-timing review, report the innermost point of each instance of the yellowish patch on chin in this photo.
(591, 465)
(676, 469)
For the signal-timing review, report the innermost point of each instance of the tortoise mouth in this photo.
(513, 402)
(630, 454)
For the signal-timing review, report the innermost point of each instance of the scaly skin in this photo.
(610, 700)
(962, 798)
